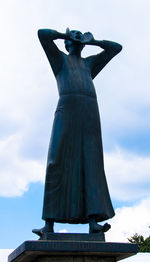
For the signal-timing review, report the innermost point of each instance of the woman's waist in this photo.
(76, 100)
(85, 90)
(78, 94)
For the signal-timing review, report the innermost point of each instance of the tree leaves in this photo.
(144, 244)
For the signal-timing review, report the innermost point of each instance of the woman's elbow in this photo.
(42, 32)
(118, 48)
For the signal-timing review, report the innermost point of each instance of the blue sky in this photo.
(29, 97)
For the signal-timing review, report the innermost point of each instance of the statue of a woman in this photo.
(75, 188)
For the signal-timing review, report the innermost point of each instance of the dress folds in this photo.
(75, 185)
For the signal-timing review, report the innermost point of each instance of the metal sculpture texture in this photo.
(75, 187)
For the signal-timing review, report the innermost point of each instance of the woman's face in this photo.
(76, 35)
(75, 43)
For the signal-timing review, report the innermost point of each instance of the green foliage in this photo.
(143, 244)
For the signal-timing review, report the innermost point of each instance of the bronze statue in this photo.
(75, 188)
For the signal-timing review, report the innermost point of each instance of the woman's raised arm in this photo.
(98, 62)
(54, 55)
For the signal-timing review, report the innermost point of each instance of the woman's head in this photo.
(75, 43)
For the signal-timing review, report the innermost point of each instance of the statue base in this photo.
(74, 236)
(60, 250)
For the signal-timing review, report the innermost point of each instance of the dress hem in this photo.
(98, 218)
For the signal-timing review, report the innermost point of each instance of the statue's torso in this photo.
(75, 77)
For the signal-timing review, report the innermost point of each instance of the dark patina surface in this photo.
(75, 187)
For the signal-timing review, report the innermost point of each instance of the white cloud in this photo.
(128, 175)
(4, 254)
(29, 94)
(16, 172)
(130, 220)
(138, 258)
(63, 231)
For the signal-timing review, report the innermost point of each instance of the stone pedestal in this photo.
(70, 250)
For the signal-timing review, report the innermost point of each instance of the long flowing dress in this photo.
(75, 185)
